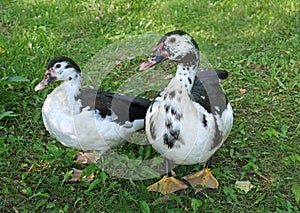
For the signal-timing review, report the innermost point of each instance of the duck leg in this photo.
(204, 178)
(168, 184)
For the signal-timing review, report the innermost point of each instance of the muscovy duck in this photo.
(191, 118)
(87, 119)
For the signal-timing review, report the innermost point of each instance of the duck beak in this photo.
(48, 78)
(157, 56)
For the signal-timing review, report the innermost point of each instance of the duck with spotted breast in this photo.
(87, 119)
(191, 118)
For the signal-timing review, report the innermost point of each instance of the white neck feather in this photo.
(71, 89)
(186, 75)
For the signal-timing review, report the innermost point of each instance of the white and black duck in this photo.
(191, 118)
(87, 119)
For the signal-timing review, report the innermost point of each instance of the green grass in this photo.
(256, 41)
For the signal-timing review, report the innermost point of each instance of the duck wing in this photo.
(123, 108)
(208, 92)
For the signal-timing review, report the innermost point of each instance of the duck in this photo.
(191, 117)
(87, 119)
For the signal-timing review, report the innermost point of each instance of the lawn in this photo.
(256, 41)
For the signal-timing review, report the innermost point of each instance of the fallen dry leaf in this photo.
(245, 186)
(77, 173)
(87, 157)
(242, 91)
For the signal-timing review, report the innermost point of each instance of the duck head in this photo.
(60, 68)
(177, 46)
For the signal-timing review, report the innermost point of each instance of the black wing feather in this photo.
(207, 82)
(126, 108)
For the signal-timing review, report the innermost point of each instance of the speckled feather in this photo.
(191, 117)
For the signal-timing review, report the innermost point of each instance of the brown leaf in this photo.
(77, 173)
(87, 157)
(242, 91)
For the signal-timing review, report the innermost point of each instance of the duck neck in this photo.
(186, 74)
(72, 89)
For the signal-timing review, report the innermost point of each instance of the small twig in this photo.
(17, 195)
(7, 133)
(15, 209)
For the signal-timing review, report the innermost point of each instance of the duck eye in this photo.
(172, 40)
(57, 66)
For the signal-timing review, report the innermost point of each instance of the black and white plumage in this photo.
(87, 119)
(191, 118)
